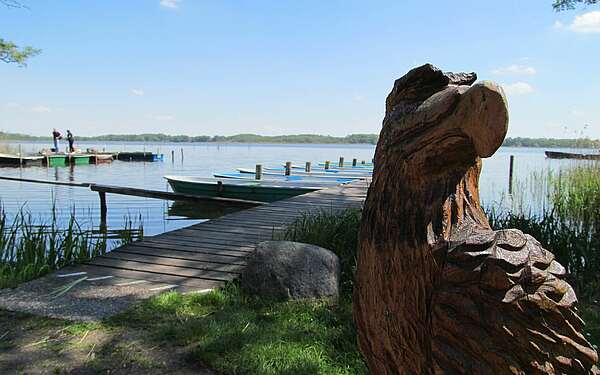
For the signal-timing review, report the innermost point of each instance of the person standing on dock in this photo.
(71, 141)
(56, 137)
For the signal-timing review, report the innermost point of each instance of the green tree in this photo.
(571, 4)
(10, 52)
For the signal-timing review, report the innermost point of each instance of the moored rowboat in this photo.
(326, 173)
(568, 155)
(264, 191)
(270, 176)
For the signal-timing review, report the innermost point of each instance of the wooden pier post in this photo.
(173, 156)
(363, 162)
(510, 174)
(20, 156)
(354, 162)
(326, 164)
(308, 167)
(259, 172)
(288, 168)
(182, 155)
(103, 209)
(341, 162)
(219, 187)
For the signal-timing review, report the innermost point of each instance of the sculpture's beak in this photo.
(484, 113)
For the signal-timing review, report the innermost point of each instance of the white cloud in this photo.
(171, 4)
(137, 92)
(518, 88)
(516, 69)
(162, 117)
(587, 23)
(40, 109)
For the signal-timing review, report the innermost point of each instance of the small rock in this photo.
(286, 270)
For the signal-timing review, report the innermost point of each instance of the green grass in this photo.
(239, 334)
(30, 249)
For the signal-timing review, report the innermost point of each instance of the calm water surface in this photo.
(203, 160)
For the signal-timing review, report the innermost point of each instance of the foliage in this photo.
(552, 142)
(29, 249)
(11, 53)
(571, 4)
(298, 138)
(238, 334)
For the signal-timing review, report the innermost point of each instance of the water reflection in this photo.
(199, 211)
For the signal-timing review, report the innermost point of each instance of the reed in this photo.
(30, 248)
(337, 232)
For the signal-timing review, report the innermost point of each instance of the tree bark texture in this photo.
(438, 291)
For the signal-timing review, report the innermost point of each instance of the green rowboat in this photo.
(264, 191)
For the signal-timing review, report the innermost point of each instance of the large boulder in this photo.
(291, 270)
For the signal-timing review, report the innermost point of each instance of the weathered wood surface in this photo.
(216, 249)
(438, 291)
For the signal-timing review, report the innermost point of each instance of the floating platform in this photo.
(139, 156)
(16, 160)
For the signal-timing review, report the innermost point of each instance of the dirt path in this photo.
(34, 345)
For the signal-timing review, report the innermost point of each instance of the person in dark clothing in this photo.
(55, 137)
(71, 141)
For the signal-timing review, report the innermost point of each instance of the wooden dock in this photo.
(207, 254)
(196, 258)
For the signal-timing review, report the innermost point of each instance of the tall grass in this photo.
(30, 248)
(337, 232)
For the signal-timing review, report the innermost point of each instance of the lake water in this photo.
(203, 160)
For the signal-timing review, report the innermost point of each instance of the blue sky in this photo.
(283, 67)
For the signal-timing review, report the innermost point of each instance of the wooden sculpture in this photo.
(438, 291)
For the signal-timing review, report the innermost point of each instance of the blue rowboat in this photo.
(317, 173)
(334, 179)
(264, 191)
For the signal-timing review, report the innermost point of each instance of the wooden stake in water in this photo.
(510, 174)
(341, 162)
(354, 162)
(326, 164)
(288, 168)
(258, 173)
(103, 211)
(20, 156)
(182, 155)
(173, 156)
(308, 167)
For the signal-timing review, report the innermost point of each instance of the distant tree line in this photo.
(297, 138)
(238, 138)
